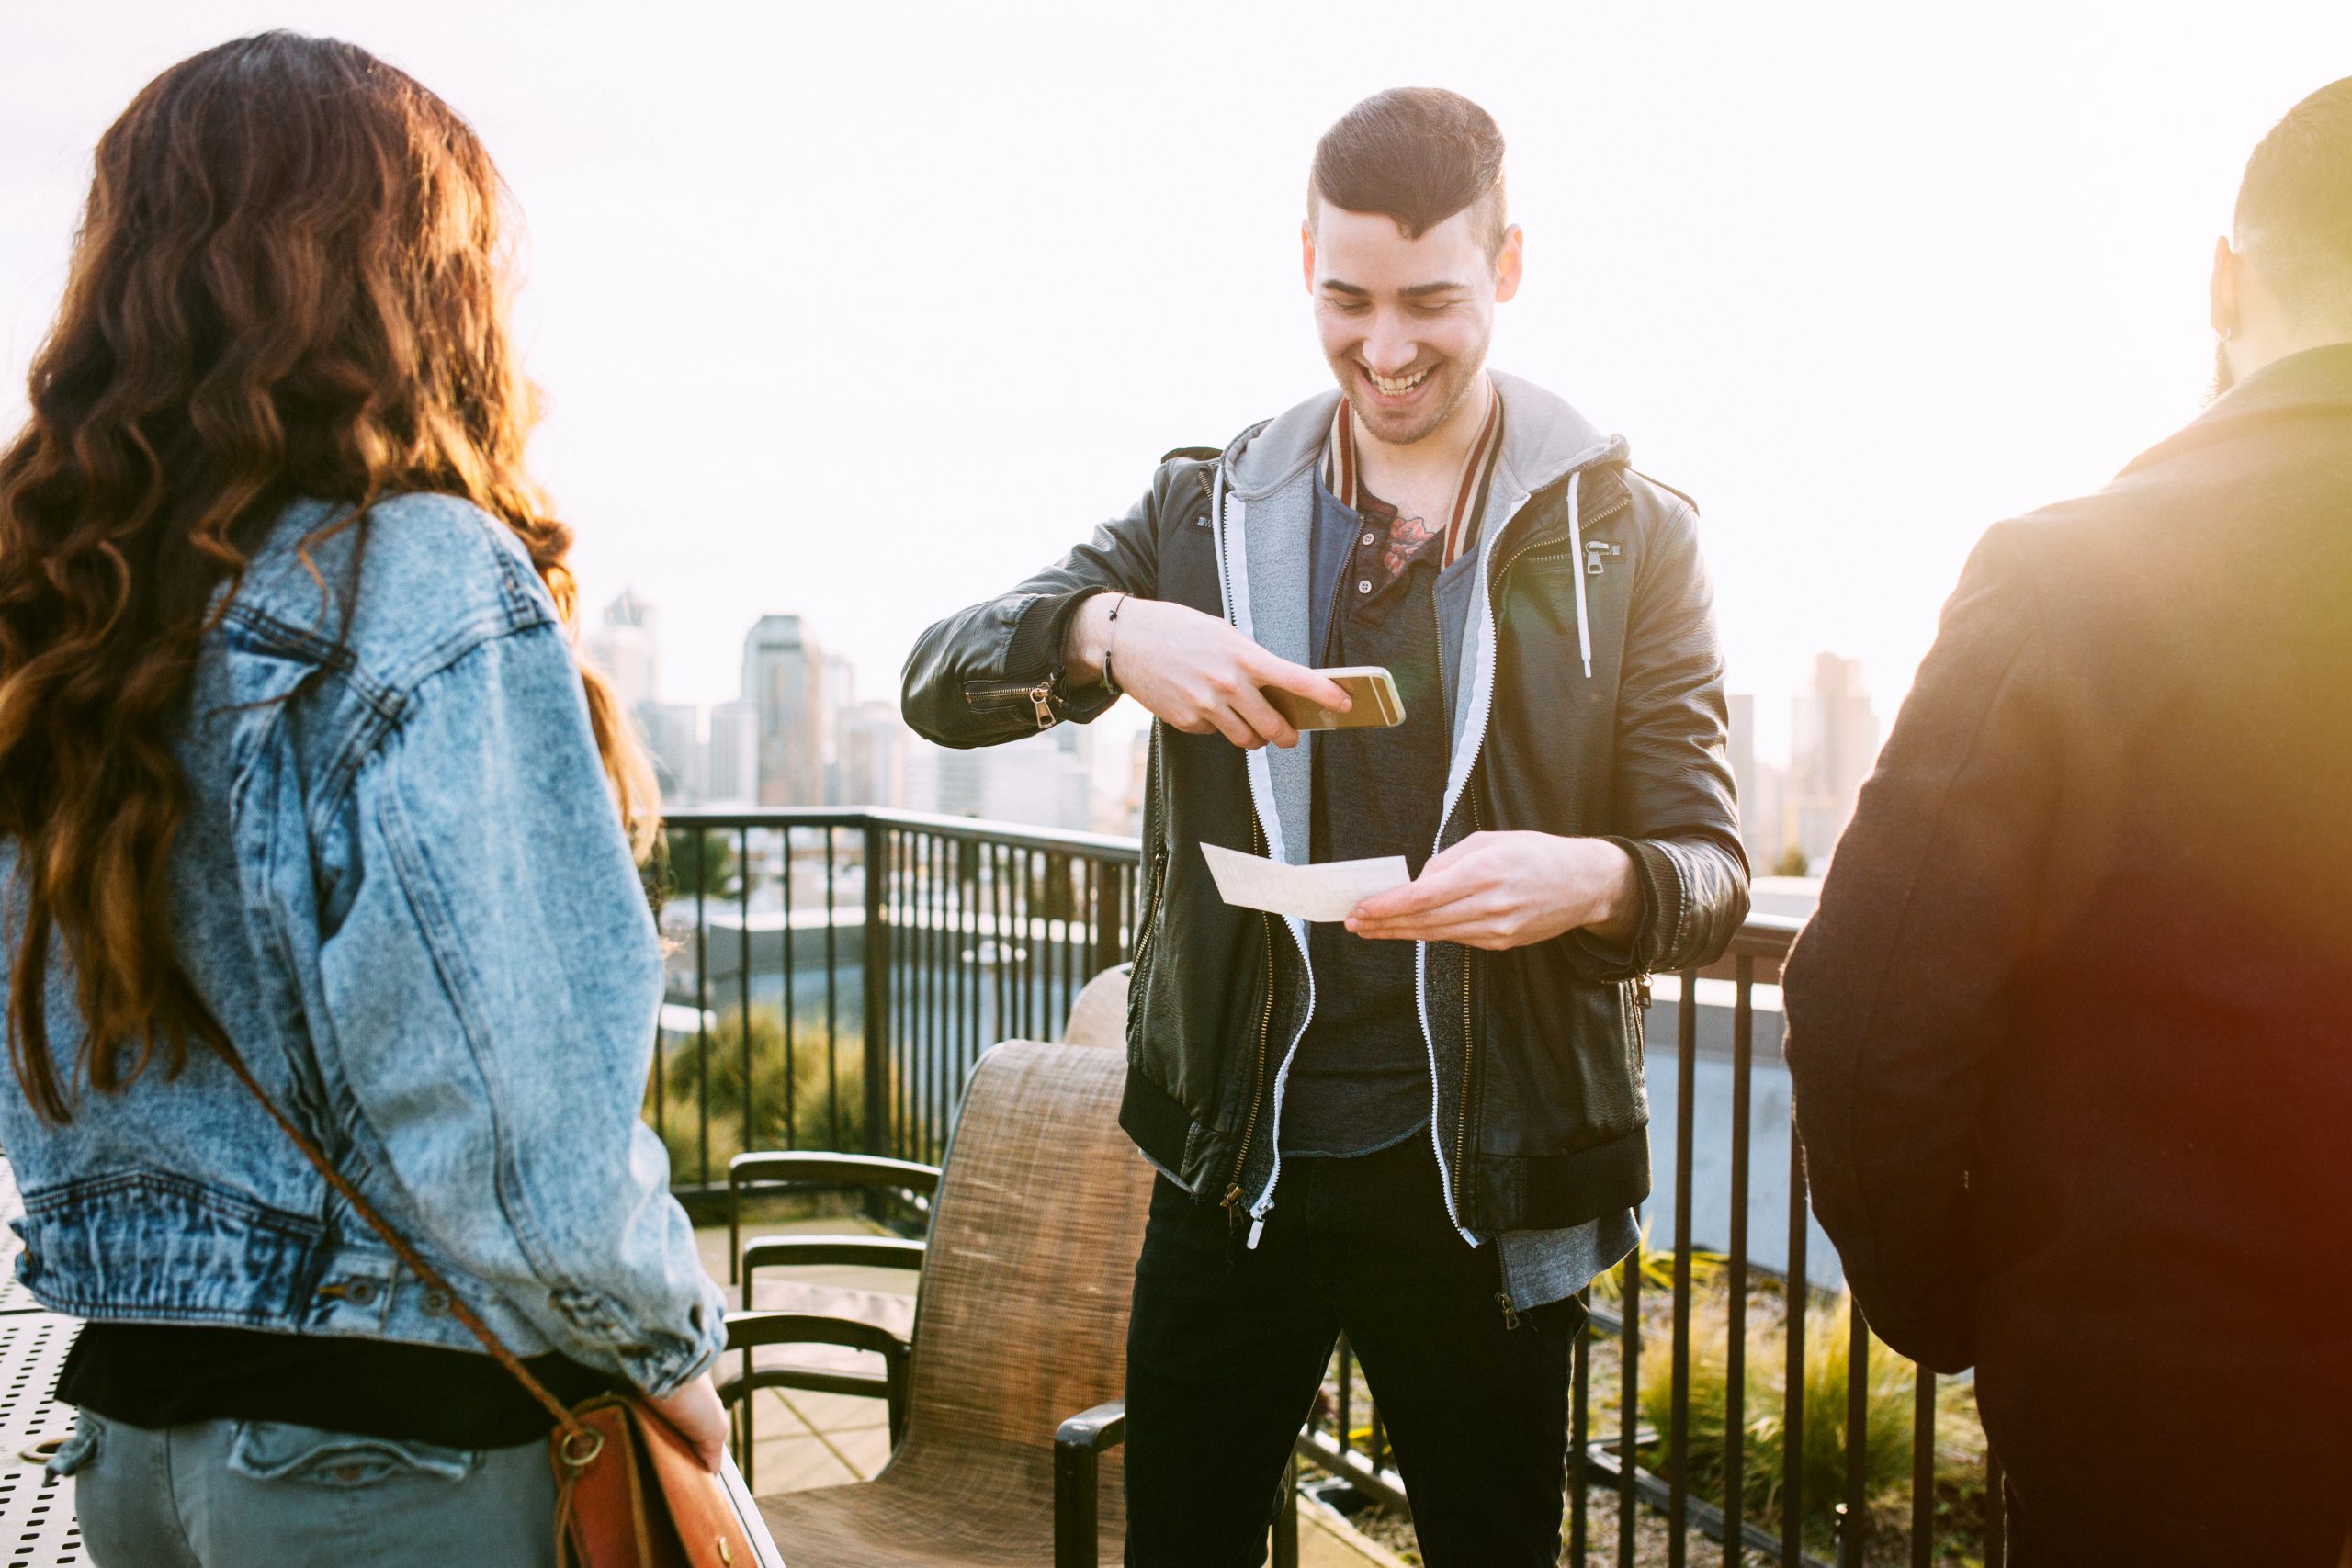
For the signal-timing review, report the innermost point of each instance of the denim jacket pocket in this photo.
(277, 1450)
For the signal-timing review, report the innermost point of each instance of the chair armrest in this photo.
(812, 1168)
(818, 1169)
(1103, 1426)
(748, 1331)
(817, 1251)
(1078, 1449)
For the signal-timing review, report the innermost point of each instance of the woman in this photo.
(298, 770)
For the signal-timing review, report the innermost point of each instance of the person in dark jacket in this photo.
(1423, 1126)
(2072, 1033)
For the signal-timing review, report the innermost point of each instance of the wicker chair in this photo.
(1099, 1017)
(1021, 1326)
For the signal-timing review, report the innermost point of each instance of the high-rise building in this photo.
(626, 645)
(1762, 788)
(731, 757)
(672, 734)
(1833, 741)
(784, 681)
(1045, 779)
(838, 695)
(1740, 707)
(1122, 810)
(872, 743)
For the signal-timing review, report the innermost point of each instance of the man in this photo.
(2072, 1033)
(1424, 1127)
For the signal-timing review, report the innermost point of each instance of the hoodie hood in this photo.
(1267, 476)
(1545, 438)
(1262, 509)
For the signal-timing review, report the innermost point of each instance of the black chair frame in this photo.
(1078, 1448)
(816, 1171)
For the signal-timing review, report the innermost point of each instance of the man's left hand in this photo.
(1498, 890)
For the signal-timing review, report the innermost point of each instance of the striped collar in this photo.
(1344, 477)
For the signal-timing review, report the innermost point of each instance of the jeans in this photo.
(1227, 1349)
(235, 1493)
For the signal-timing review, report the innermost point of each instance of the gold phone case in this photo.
(1377, 705)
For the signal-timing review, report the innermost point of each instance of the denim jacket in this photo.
(403, 890)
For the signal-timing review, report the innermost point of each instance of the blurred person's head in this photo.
(288, 281)
(2282, 278)
(1407, 250)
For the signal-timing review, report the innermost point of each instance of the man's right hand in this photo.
(1191, 671)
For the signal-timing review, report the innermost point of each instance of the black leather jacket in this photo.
(1541, 1116)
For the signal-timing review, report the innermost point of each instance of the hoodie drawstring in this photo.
(1576, 550)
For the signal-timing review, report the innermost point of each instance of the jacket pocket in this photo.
(341, 1461)
(1632, 1011)
(1139, 972)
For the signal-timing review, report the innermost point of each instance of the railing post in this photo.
(876, 1004)
(1107, 883)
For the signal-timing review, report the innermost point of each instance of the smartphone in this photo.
(1369, 687)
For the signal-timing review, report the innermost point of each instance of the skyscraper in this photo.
(671, 735)
(1763, 790)
(783, 682)
(626, 645)
(731, 765)
(837, 694)
(1833, 743)
(873, 745)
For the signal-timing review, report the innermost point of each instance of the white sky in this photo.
(864, 310)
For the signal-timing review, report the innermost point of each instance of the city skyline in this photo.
(801, 731)
(1740, 242)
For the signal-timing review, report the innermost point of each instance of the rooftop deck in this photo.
(895, 949)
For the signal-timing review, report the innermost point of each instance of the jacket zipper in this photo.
(1265, 842)
(1502, 579)
(1041, 695)
(1150, 913)
(1454, 1179)
(1156, 880)
(1469, 1042)
(1265, 1027)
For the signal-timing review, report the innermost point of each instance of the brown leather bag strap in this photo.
(569, 1423)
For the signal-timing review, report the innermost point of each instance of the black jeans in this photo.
(1227, 1347)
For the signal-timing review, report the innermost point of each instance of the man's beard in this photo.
(2223, 377)
(1456, 379)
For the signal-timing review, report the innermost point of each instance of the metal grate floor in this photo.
(37, 1528)
(12, 1296)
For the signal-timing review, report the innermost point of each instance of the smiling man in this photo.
(1423, 1127)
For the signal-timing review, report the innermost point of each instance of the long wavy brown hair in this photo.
(289, 281)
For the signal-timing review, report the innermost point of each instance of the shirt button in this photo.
(1367, 538)
(1365, 585)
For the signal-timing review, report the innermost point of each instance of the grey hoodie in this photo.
(1263, 512)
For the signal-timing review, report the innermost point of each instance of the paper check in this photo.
(1325, 892)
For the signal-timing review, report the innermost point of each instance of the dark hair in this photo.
(2294, 212)
(1419, 155)
(288, 281)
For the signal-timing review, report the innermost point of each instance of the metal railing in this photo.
(835, 975)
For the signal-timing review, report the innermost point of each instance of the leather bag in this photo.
(629, 1491)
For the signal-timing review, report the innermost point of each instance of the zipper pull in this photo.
(1232, 1212)
(1510, 1312)
(1257, 1229)
(1038, 695)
